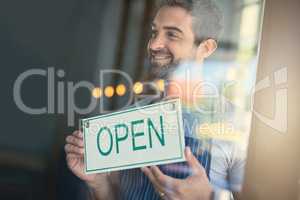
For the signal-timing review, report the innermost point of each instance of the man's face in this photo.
(172, 38)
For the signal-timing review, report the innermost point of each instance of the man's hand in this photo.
(100, 183)
(195, 187)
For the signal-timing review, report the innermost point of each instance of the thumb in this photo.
(193, 162)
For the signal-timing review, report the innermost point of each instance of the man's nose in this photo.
(157, 43)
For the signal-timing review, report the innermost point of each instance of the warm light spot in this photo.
(160, 85)
(97, 92)
(109, 91)
(231, 74)
(138, 88)
(121, 90)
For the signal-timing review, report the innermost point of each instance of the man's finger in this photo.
(74, 140)
(78, 134)
(152, 178)
(69, 148)
(166, 181)
(148, 173)
(161, 190)
(193, 162)
(73, 155)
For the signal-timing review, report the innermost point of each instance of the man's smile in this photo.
(161, 56)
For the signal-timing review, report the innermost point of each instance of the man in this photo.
(181, 30)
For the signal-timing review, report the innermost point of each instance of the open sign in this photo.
(138, 137)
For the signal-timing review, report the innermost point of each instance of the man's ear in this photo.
(206, 48)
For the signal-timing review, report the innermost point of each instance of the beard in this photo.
(163, 64)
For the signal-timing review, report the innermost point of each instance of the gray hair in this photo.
(207, 17)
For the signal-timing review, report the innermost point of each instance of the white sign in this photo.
(138, 137)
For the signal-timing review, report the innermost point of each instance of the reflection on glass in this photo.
(216, 99)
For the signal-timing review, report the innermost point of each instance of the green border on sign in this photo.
(83, 122)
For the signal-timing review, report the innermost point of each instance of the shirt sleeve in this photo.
(237, 168)
(227, 165)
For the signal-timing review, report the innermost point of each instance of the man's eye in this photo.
(153, 34)
(172, 35)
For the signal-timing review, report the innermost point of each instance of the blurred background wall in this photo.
(81, 37)
(273, 167)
